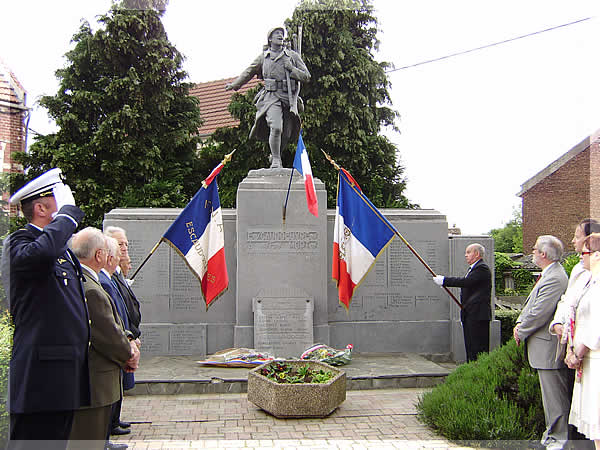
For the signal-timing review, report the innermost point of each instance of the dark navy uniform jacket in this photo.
(42, 278)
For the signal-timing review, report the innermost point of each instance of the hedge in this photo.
(496, 398)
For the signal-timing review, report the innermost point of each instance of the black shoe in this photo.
(113, 445)
(118, 431)
(124, 424)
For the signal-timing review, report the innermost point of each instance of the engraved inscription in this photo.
(268, 241)
(378, 274)
(155, 339)
(402, 269)
(185, 287)
(400, 301)
(188, 340)
(154, 277)
(283, 326)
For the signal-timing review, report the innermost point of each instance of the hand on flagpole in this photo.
(439, 280)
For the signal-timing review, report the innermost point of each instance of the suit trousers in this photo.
(557, 388)
(49, 430)
(89, 428)
(115, 415)
(477, 337)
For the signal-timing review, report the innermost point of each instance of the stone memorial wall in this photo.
(397, 308)
(175, 320)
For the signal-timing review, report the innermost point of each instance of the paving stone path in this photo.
(382, 418)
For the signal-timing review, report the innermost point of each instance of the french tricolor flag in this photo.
(361, 234)
(302, 165)
(197, 235)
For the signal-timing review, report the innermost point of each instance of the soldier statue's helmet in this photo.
(272, 30)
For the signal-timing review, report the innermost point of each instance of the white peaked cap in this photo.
(38, 186)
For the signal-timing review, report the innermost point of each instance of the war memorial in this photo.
(281, 298)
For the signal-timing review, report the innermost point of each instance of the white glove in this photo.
(63, 195)
(439, 280)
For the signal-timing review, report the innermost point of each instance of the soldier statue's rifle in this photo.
(297, 47)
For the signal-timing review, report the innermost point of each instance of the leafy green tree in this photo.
(509, 239)
(127, 126)
(346, 105)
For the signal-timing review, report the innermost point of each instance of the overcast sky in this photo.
(473, 127)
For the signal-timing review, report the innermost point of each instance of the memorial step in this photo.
(170, 375)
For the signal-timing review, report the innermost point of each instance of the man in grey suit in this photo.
(540, 345)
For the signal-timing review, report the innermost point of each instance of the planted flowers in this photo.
(282, 372)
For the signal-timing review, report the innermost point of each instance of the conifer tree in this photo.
(128, 130)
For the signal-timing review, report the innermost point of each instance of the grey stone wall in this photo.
(396, 309)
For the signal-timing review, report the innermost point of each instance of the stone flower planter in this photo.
(285, 400)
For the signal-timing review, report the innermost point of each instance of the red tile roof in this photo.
(214, 101)
(11, 90)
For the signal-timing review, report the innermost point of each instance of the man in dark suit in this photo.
(49, 365)
(112, 347)
(533, 329)
(133, 305)
(475, 297)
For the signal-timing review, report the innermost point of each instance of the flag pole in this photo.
(145, 260)
(410, 247)
(293, 101)
(226, 159)
(288, 194)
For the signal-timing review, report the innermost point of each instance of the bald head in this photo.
(89, 245)
(474, 253)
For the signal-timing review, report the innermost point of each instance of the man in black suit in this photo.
(475, 297)
(133, 305)
(49, 376)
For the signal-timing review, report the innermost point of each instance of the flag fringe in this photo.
(174, 247)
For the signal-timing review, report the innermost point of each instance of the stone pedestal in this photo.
(278, 256)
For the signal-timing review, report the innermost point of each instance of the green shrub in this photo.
(494, 398)
(523, 278)
(508, 320)
(524, 281)
(6, 335)
(570, 262)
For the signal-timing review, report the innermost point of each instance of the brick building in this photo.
(13, 115)
(563, 193)
(214, 102)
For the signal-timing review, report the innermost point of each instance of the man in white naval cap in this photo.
(49, 376)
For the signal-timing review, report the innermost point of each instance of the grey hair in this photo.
(480, 249)
(111, 231)
(551, 246)
(87, 242)
(113, 246)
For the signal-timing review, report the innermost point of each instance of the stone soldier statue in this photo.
(277, 119)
